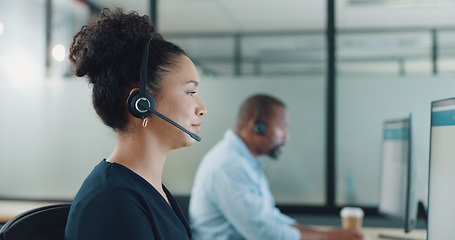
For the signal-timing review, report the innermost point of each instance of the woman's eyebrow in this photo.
(196, 83)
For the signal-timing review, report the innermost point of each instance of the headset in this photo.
(259, 128)
(141, 103)
(258, 125)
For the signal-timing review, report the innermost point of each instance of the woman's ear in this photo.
(134, 89)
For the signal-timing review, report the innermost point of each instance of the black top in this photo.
(116, 203)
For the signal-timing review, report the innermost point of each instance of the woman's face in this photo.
(179, 100)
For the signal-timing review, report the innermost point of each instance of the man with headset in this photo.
(231, 198)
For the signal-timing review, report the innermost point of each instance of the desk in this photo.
(372, 233)
(373, 226)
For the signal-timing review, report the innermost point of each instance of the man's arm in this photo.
(307, 233)
(244, 206)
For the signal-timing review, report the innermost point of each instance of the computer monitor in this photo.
(397, 192)
(441, 190)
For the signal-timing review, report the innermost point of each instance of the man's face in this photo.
(276, 130)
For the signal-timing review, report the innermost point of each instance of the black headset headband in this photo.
(259, 108)
(258, 125)
(143, 72)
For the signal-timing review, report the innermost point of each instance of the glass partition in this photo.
(384, 53)
(446, 52)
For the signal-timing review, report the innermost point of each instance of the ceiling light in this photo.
(58, 53)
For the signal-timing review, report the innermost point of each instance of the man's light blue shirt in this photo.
(231, 198)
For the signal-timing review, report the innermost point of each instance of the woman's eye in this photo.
(191, 93)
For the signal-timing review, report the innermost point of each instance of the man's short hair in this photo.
(250, 108)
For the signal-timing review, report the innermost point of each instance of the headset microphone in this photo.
(276, 150)
(141, 103)
(194, 136)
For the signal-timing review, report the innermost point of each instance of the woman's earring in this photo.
(144, 122)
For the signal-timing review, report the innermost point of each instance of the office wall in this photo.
(41, 144)
(22, 52)
(52, 138)
(363, 104)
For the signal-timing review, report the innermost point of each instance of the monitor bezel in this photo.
(433, 103)
(408, 222)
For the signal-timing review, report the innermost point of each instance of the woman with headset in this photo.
(140, 82)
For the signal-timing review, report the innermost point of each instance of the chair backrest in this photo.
(46, 222)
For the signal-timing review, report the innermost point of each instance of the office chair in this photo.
(43, 223)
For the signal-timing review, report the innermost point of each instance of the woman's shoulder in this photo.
(113, 182)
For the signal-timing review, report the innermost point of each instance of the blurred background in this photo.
(342, 67)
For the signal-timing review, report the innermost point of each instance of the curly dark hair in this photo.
(109, 52)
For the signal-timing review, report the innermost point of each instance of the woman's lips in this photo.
(197, 127)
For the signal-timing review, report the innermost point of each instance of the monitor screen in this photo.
(396, 197)
(441, 190)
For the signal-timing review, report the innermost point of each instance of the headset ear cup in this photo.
(133, 100)
(258, 128)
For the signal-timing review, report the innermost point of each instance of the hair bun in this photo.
(102, 42)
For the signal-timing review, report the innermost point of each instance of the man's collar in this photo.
(244, 150)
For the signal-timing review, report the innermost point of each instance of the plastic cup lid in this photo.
(351, 212)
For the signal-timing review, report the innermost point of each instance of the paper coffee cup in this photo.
(351, 218)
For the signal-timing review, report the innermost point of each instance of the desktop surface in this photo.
(373, 226)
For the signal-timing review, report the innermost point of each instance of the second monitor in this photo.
(398, 191)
